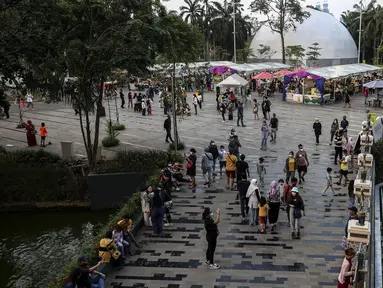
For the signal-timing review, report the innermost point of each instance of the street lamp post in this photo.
(234, 34)
(360, 30)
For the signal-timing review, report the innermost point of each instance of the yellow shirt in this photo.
(110, 246)
(292, 164)
(231, 162)
(343, 165)
(263, 210)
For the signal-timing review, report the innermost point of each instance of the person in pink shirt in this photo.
(347, 270)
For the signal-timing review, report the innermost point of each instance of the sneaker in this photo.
(178, 189)
(214, 266)
(166, 224)
(303, 179)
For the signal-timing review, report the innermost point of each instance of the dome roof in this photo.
(333, 38)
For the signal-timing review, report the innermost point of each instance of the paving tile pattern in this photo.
(247, 258)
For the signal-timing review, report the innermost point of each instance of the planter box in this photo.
(365, 187)
(358, 234)
(109, 190)
(367, 162)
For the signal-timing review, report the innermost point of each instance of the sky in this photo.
(336, 6)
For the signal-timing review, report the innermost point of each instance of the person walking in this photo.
(263, 208)
(130, 99)
(143, 107)
(195, 103)
(234, 145)
(261, 171)
(207, 167)
(157, 213)
(222, 109)
(347, 270)
(343, 171)
(230, 109)
(191, 167)
(243, 186)
(296, 205)
(43, 134)
(317, 127)
(347, 98)
(266, 107)
(213, 150)
(274, 200)
(302, 163)
(274, 128)
(231, 165)
(168, 128)
(334, 129)
(254, 197)
(286, 194)
(290, 167)
(222, 159)
(338, 147)
(365, 94)
(30, 100)
(329, 182)
(122, 97)
(211, 236)
(344, 124)
(240, 114)
(265, 132)
(255, 109)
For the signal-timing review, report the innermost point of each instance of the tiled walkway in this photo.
(248, 259)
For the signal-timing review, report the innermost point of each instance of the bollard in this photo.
(99, 156)
(67, 149)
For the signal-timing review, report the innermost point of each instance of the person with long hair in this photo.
(334, 128)
(274, 199)
(211, 235)
(254, 196)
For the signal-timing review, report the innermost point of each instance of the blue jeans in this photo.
(253, 216)
(157, 220)
(264, 143)
(96, 280)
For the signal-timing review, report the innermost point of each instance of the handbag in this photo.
(189, 165)
(297, 213)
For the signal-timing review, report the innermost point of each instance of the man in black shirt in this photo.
(81, 276)
(243, 185)
(214, 151)
(317, 126)
(344, 125)
(168, 128)
(274, 128)
(338, 146)
(242, 168)
(240, 114)
(122, 96)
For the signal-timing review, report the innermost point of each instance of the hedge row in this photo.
(38, 175)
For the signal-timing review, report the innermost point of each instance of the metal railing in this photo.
(375, 267)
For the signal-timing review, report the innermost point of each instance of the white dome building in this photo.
(337, 45)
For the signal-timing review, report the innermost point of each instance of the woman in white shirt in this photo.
(254, 196)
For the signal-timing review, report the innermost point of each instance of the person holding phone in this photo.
(211, 236)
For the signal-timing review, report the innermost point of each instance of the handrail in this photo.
(376, 271)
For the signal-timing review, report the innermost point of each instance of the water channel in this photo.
(35, 247)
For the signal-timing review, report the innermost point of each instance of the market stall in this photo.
(319, 85)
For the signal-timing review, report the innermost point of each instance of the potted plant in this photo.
(361, 218)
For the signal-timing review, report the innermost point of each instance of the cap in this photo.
(82, 259)
(295, 190)
(193, 150)
(316, 119)
(353, 208)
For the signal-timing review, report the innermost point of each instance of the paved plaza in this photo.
(247, 258)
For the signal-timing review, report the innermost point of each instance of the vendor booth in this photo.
(318, 86)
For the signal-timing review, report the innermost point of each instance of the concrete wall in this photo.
(107, 190)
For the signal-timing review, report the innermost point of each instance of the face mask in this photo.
(211, 214)
(291, 156)
(294, 193)
(301, 149)
(213, 143)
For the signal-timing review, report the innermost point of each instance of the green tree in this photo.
(246, 52)
(265, 51)
(313, 53)
(281, 15)
(193, 12)
(295, 55)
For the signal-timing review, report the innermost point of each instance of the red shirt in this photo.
(287, 192)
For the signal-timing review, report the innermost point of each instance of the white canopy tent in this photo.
(254, 67)
(233, 81)
(340, 71)
(376, 84)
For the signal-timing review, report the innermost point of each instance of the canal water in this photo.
(35, 247)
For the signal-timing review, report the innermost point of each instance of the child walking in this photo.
(329, 182)
(263, 210)
(43, 134)
(261, 170)
(343, 170)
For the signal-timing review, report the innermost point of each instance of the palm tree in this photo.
(192, 13)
